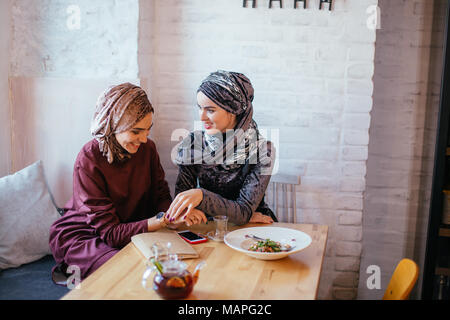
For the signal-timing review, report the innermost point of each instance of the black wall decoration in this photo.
(329, 2)
(295, 3)
(280, 1)
(253, 4)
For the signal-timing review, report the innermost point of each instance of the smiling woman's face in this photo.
(214, 118)
(131, 139)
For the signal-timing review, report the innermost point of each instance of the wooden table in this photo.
(228, 275)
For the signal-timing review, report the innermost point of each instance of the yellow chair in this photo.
(402, 281)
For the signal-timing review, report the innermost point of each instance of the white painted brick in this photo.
(347, 263)
(306, 18)
(360, 71)
(264, 34)
(318, 184)
(356, 137)
(326, 120)
(361, 52)
(346, 280)
(354, 168)
(329, 70)
(294, 166)
(267, 118)
(44, 46)
(344, 293)
(335, 87)
(286, 101)
(308, 152)
(281, 18)
(310, 86)
(356, 121)
(330, 34)
(348, 248)
(353, 218)
(322, 168)
(253, 51)
(315, 200)
(359, 33)
(352, 185)
(350, 202)
(320, 102)
(331, 53)
(360, 87)
(355, 153)
(321, 216)
(358, 104)
(304, 135)
(297, 52)
(306, 34)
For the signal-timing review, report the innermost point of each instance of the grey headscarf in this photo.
(118, 109)
(234, 93)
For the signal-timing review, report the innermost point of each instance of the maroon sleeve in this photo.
(92, 198)
(160, 188)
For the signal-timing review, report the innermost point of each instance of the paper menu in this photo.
(144, 241)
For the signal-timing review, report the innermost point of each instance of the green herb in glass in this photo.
(158, 265)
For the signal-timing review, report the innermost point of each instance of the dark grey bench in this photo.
(32, 281)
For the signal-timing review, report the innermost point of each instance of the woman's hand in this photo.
(194, 217)
(154, 223)
(258, 217)
(186, 200)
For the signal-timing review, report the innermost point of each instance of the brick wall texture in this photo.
(354, 108)
(312, 72)
(408, 69)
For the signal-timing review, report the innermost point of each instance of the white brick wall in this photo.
(47, 42)
(46, 45)
(312, 72)
(5, 115)
(402, 136)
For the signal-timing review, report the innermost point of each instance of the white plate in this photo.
(237, 241)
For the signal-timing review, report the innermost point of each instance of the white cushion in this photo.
(26, 214)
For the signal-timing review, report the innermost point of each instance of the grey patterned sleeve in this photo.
(186, 179)
(239, 211)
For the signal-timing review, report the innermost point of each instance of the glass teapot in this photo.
(172, 280)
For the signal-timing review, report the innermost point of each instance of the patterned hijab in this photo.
(234, 93)
(118, 109)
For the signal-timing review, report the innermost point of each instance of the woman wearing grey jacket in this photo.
(225, 168)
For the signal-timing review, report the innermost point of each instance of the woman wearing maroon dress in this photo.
(119, 188)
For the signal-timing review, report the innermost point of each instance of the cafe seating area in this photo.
(352, 95)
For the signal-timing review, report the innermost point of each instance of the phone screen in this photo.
(190, 235)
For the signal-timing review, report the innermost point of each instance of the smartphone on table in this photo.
(192, 237)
